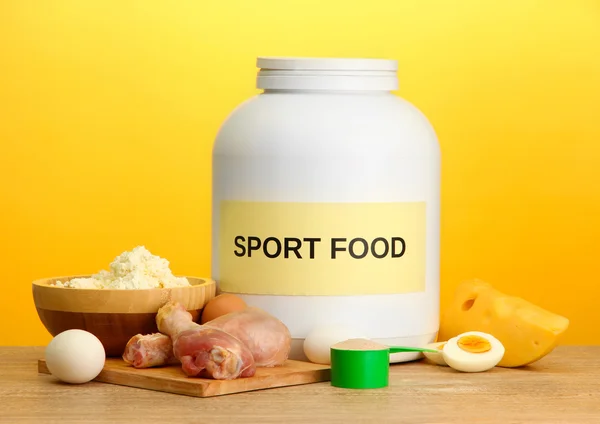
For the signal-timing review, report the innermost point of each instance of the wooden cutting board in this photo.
(171, 379)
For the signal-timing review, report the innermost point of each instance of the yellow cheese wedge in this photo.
(527, 331)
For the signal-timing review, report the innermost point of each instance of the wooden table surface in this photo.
(563, 387)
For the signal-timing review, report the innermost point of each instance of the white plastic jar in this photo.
(326, 202)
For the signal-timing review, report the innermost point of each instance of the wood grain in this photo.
(139, 301)
(171, 379)
(563, 387)
(114, 316)
(113, 330)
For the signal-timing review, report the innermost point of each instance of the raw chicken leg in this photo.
(204, 351)
(268, 338)
(150, 350)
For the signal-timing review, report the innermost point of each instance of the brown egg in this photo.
(222, 305)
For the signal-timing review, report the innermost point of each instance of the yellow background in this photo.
(108, 111)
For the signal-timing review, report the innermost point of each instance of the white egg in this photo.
(317, 344)
(75, 356)
(473, 351)
(438, 357)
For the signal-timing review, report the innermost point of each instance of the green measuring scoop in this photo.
(364, 364)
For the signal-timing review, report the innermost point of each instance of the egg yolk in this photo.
(441, 347)
(474, 344)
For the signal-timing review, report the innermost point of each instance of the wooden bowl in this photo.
(114, 316)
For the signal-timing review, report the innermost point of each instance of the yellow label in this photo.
(284, 248)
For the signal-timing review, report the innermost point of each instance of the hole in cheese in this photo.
(359, 344)
(474, 344)
(468, 304)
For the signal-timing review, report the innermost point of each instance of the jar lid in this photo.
(326, 64)
(310, 73)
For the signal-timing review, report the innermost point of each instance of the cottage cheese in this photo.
(135, 269)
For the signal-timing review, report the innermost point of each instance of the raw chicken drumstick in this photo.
(268, 339)
(150, 350)
(204, 351)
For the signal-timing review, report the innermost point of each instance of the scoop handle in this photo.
(398, 349)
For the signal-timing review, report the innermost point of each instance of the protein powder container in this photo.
(326, 202)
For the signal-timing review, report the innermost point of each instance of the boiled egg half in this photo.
(473, 351)
(437, 357)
